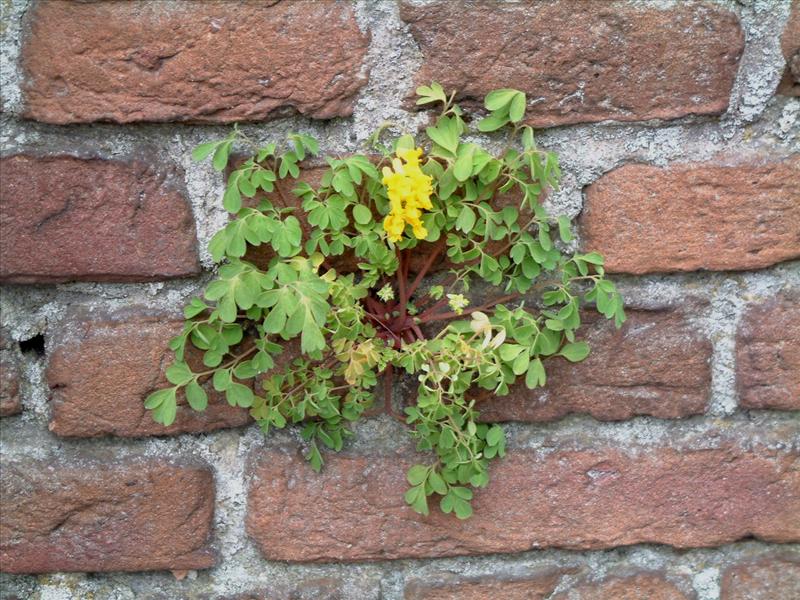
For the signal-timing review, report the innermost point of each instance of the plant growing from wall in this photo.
(393, 216)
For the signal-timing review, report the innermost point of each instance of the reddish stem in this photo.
(452, 315)
(426, 267)
(374, 306)
(429, 311)
(380, 322)
(401, 282)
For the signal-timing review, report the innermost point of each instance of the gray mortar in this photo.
(755, 124)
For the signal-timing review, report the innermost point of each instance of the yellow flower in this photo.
(409, 191)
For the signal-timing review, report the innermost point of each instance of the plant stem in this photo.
(437, 250)
(453, 315)
(230, 363)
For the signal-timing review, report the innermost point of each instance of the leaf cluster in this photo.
(346, 329)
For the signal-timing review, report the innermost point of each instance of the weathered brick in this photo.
(102, 515)
(768, 355)
(535, 587)
(697, 216)
(103, 366)
(647, 585)
(578, 499)
(773, 578)
(790, 44)
(69, 219)
(191, 61)
(656, 364)
(632, 63)
(10, 403)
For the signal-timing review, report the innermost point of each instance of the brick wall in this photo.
(665, 466)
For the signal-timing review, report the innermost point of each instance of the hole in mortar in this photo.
(34, 345)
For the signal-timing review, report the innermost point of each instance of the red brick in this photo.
(643, 586)
(774, 578)
(689, 217)
(768, 355)
(100, 515)
(10, 403)
(71, 219)
(631, 63)
(577, 499)
(790, 44)
(191, 61)
(537, 587)
(656, 364)
(102, 368)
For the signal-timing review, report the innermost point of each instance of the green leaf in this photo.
(527, 138)
(463, 509)
(564, 230)
(520, 364)
(232, 199)
(405, 142)
(463, 166)
(492, 123)
(179, 373)
(508, 352)
(315, 458)
(554, 324)
(466, 219)
(434, 93)
(194, 308)
(203, 151)
(436, 482)
(499, 98)
(417, 474)
(464, 492)
(593, 257)
(517, 109)
(155, 399)
(164, 411)
(311, 339)
(165, 414)
(220, 160)
(196, 396)
(217, 245)
(221, 380)
(536, 375)
(445, 134)
(275, 321)
(447, 439)
(227, 309)
(417, 499)
(575, 352)
(544, 239)
(362, 214)
(495, 435)
(239, 395)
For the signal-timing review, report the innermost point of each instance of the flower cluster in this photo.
(409, 192)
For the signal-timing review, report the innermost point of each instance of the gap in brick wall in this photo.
(33, 345)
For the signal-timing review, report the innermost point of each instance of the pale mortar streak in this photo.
(393, 59)
(12, 14)
(204, 188)
(706, 583)
(762, 63)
